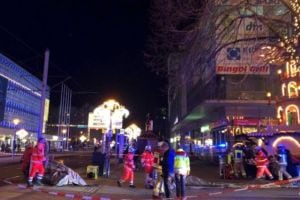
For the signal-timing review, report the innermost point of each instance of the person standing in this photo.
(147, 160)
(181, 170)
(3, 147)
(128, 172)
(26, 160)
(282, 161)
(167, 167)
(239, 162)
(158, 189)
(36, 164)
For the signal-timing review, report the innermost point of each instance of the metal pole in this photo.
(69, 115)
(14, 143)
(109, 134)
(43, 94)
(59, 116)
(64, 115)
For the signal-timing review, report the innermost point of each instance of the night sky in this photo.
(99, 43)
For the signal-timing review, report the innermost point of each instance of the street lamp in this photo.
(64, 131)
(269, 97)
(82, 138)
(16, 121)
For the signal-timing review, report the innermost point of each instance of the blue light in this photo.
(222, 145)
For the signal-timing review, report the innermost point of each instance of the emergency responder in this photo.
(36, 164)
(222, 164)
(158, 189)
(181, 170)
(262, 165)
(128, 171)
(26, 160)
(238, 165)
(167, 164)
(282, 161)
(147, 160)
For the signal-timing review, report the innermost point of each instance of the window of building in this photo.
(292, 89)
(292, 115)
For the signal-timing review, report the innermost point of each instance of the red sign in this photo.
(255, 70)
(245, 122)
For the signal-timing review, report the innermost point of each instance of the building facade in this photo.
(228, 97)
(20, 98)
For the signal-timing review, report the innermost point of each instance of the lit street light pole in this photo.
(116, 114)
(43, 94)
(16, 121)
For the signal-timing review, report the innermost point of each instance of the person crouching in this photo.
(262, 165)
(36, 164)
(128, 172)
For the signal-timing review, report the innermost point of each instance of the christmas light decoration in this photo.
(292, 108)
(288, 138)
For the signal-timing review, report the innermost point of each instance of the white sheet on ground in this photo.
(71, 178)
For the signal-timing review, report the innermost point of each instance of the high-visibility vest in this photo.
(261, 161)
(147, 159)
(181, 164)
(282, 159)
(238, 155)
(128, 160)
(156, 162)
(37, 156)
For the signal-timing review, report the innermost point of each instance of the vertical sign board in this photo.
(99, 119)
(3, 89)
(117, 119)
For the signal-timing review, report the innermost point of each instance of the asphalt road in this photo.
(107, 187)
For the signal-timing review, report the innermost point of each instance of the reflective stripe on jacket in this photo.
(37, 156)
(282, 159)
(181, 164)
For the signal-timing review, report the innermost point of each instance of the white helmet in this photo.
(131, 150)
(148, 148)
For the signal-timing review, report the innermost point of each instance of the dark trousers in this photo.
(166, 186)
(180, 185)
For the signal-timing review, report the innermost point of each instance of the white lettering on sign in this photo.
(255, 70)
(267, 2)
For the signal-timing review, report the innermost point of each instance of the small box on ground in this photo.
(92, 171)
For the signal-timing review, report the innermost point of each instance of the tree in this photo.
(187, 36)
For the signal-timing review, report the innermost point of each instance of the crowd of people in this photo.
(254, 162)
(164, 169)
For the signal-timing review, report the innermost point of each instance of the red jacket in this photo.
(261, 159)
(147, 160)
(38, 156)
(129, 161)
